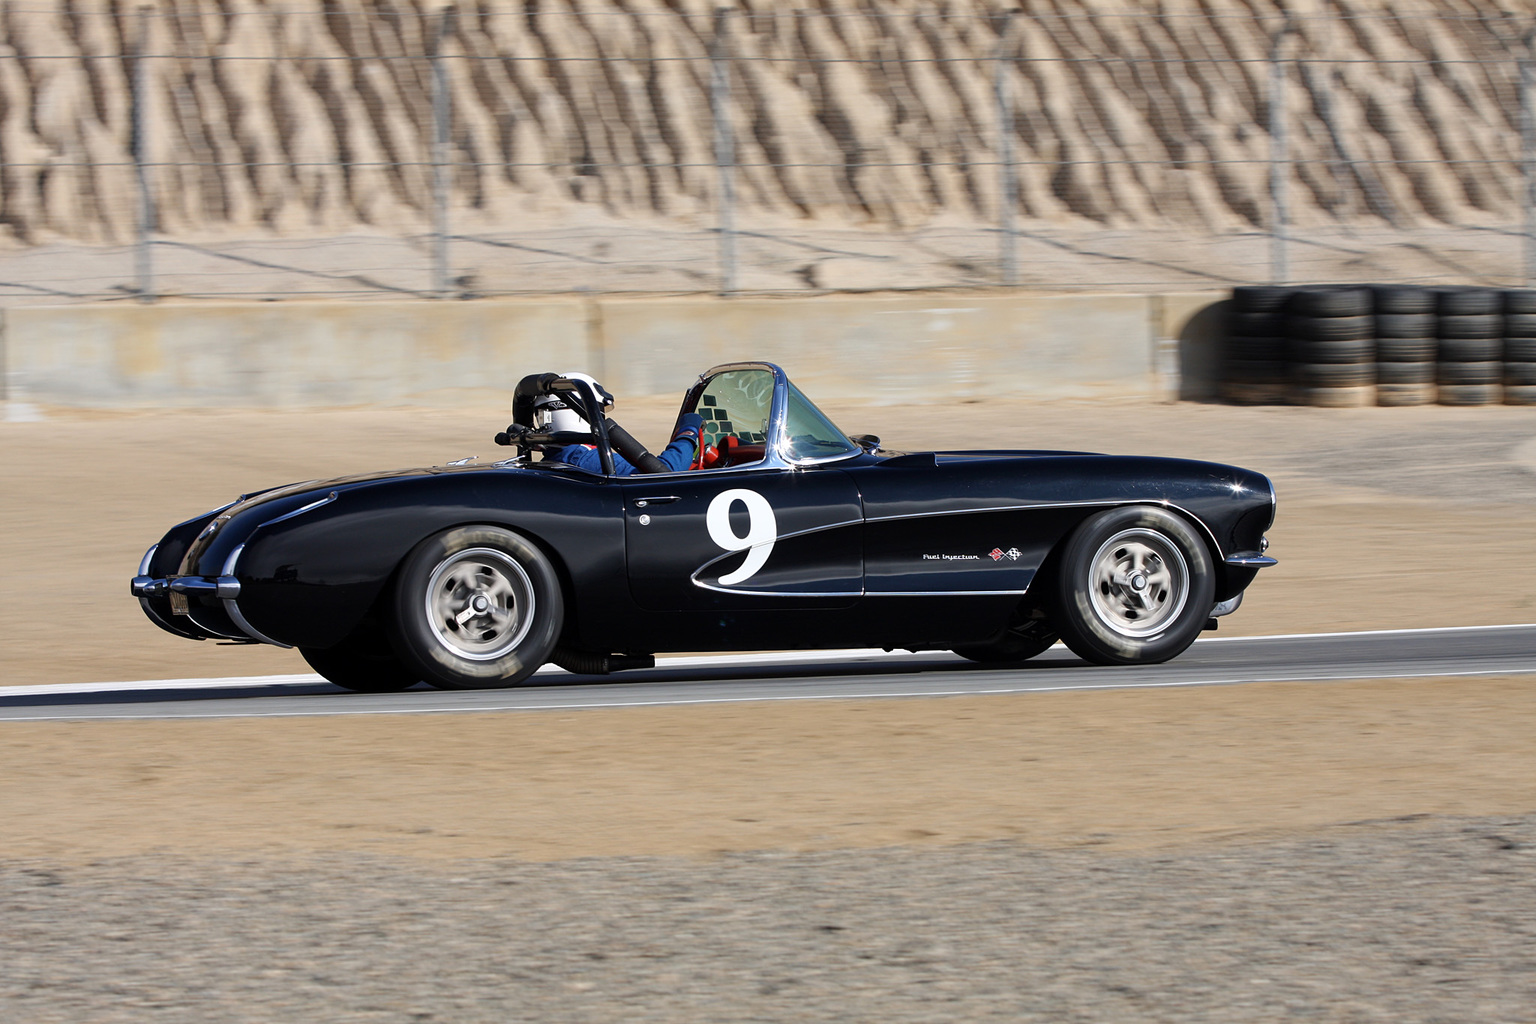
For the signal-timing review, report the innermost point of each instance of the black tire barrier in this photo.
(1258, 371)
(1470, 394)
(1520, 350)
(1407, 350)
(1400, 395)
(1470, 326)
(1406, 325)
(1330, 328)
(1334, 375)
(1405, 373)
(1519, 374)
(1261, 298)
(1520, 325)
(1469, 302)
(1244, 350)
(1402, 299)
(1350, 350)
(1331, 302)
(1241, 324)
(1470, 350)
(1352, 397)
(1488, 372)
(1519, 301)
(1520, 394)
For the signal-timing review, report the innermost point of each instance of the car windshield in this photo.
(809, 434)
(736, 404)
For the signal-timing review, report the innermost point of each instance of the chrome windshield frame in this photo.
(775, 448)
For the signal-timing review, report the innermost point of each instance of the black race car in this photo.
(798, 536)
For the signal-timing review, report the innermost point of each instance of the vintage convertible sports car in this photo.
(797, 537)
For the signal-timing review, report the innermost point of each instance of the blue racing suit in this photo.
(678, 455)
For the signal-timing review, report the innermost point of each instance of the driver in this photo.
(552, 414)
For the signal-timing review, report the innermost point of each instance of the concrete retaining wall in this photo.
(877, 348)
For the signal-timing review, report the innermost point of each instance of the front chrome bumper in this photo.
(180, 589)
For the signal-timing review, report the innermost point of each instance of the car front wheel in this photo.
(1136, 585)
(477, 607)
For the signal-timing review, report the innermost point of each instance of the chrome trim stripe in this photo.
(299, 511)
(1108, 503)
(149, 556)
(946, 593)
(777, 593)
(1250, 561)
(233, 611)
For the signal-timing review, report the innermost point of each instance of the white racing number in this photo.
(762, 530)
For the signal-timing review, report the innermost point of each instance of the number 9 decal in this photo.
(762, 530)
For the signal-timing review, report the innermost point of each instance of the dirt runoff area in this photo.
(1388, 518)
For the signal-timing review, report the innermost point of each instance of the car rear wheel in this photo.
(363, 662)
(1136, 585)
(477, 607)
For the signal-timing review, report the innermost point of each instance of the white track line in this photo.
(681, 702)
(696, 661)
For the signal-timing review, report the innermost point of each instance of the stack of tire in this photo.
(1406, 345)
(1331, 346)
(1254, 370)
(1470, 329)
(1520, 348)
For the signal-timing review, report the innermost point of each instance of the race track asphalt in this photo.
(819, 675)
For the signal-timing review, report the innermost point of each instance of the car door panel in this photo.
(743, 538)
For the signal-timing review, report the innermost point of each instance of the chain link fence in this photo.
(250, 150)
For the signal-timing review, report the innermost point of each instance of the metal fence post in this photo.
(1528, 160)
(725, 147)
(1008, 255)
(1279, 159)
(138, 129)
(442, 115)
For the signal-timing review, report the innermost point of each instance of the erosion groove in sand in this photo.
(305, 117)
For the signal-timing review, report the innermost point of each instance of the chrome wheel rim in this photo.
(480, 603)
(1139, 583)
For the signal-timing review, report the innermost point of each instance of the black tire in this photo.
(1022, 641)
(1334, 375)
(1471, 394)
(1520, 394)
(1405, 325)
(1519, 374)
(1470, 327)
(1268, 371)
(1256, 350)
(477, 607)
(1398, 396)
(1469, 350)
(364, 663)
(1468, 302)
(1405, 373)
(1407, 350)
(1261, 298)
(1520, 350)
(1242, 324)
(1403, 298)
(1356, 350)
(1330, 328)
(1486, 372)
(1114, 623)
(1355, 397)
(1520, 325)
(1519, 301)
(1332, 302)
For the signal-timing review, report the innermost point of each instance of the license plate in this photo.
(178, 603)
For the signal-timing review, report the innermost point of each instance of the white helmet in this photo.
(552, 414)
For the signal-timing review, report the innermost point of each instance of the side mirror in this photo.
(869, 442)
